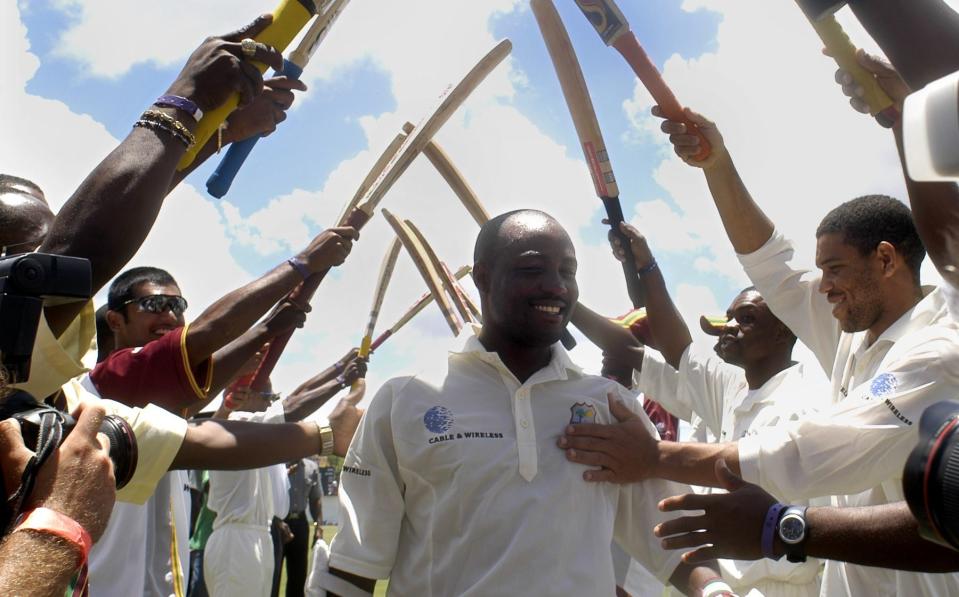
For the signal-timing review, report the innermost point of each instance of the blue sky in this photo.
(91, 66)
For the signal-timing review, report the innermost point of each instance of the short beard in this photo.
(862, 317)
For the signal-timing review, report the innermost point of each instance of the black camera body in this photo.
(930, 479)
(28, 283)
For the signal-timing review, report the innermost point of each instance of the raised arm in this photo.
(135, 177)
(747, 226)
(301, 404)
(665, 322)
(614, 340)
(232, 315)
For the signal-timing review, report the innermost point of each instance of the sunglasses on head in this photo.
(159, 303)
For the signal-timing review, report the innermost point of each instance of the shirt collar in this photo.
(559, 367)
(927, 311)
(768, 391)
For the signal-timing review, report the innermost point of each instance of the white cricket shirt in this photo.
(455, 486)
(719, 393)
(859, 445)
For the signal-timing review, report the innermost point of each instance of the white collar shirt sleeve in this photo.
(793, 296)
(660, 382)
(710, 386)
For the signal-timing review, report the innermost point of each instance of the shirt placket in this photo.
(525, 432)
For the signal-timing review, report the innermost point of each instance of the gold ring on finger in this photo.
(248, 47)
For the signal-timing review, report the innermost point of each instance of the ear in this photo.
(114, 319)
(889, 259)
(481, 275)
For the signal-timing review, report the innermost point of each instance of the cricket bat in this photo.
(587, 128)
(447, 282)
(221, 180)
(409, 149)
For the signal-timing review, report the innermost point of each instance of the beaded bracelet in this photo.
(645, 270)
(156, 120)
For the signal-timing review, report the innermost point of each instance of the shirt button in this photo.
(524, 423)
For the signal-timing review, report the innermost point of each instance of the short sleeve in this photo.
(57, 360)
(658, 380)
(859, 443)
(158, 373)
(371, 496)
(159, 435)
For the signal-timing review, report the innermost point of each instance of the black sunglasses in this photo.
(159, 303)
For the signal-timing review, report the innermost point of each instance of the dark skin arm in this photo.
(299, 405)
(732, 523)
(625, 452)
(327, 375)
(615, 340)
(920, 37)
(665, 322)
(224, 321)
(227, 445)
(136, 176)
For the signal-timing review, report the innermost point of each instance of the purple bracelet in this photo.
(175, 101)
(300, 267)
(769, 530)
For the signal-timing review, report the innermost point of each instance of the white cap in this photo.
(931, 131)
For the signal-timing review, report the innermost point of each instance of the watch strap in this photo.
(326, 439)
(770, 526)
(182, 103)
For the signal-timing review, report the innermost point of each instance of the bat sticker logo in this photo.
(603, 17)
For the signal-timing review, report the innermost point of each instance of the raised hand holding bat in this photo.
(329, 249)
(687, 145)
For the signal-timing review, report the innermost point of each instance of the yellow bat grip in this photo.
(363, 352)
(288, 19)
(844, 52)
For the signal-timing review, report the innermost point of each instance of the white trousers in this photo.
(239, 561)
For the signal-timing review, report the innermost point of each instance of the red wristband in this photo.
(45, 520)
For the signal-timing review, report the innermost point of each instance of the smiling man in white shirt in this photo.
(887, 342)
(452, 486)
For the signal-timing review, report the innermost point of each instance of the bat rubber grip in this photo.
(301, 295)
(614, 212)
(843, 51)
(380, 340)
(288, 19)
(636, 56)
(221, 180)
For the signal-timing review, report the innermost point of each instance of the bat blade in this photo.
(416, 251)
(577, 97)
(449, 285)
(382, 283)
(388, 154)
(317, 32)
(452, 99)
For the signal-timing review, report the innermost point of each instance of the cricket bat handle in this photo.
(841, 48)
(380, 340)
(614, 212)
(636, 56)
(301, 295)
(220, 181)
(288, 18)
(362, 353)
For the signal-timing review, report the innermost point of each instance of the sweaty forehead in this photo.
(746, 298)
(150, 288)
(528, 230)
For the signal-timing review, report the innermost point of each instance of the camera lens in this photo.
(930, 479)
(123, 448)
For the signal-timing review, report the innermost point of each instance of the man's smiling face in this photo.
(136, 327)
(532, 281)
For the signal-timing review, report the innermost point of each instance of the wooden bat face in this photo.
(372, 175)
(605, 17)
(382, 283)
(317, 32)
(577, 97)
(449, 285)
(426, 269)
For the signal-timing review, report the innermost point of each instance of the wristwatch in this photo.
(793, 532)
(326, 439)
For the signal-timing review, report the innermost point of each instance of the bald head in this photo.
(25, 216)
(510, 227)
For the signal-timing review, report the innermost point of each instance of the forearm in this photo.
(298, 406)
(885, 536)
(137, 172)
(228, 318)
(920, 37)
(665, 322)
(238, 445)
(320, 379)
(316, 511)
(935, 209)
(694, 463)
(746, 225)
(613, 339)
(229, 360)
(691, 579)
(36, 565)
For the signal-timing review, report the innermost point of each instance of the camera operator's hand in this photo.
(77, 480)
